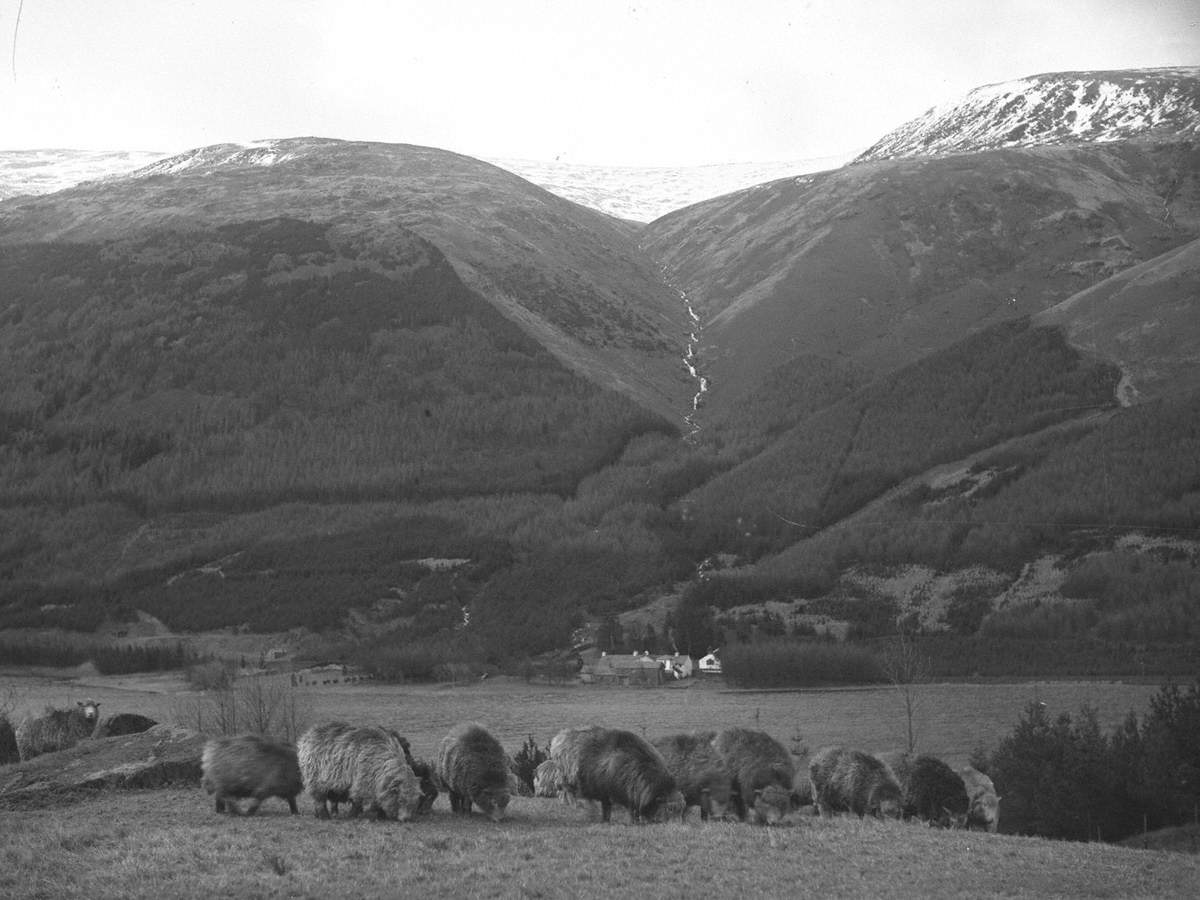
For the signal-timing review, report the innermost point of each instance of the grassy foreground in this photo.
(169, 843)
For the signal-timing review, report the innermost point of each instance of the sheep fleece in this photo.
(475, 769)
(846, 780)
(248, 765)
(365, 765)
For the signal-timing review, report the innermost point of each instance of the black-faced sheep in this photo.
(57, 729)
(762, 771)
(699, 771)
(984, 809)
(846, 780)
(614, 766)
(250, 766)
(475, 769)
(365, 766)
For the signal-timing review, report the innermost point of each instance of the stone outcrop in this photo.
(166, 755)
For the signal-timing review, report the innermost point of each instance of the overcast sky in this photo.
(643, 82)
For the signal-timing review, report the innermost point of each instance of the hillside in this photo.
(1054, 108)
(414, 403)
(878, 264)
(569, 276)
(1144, 319)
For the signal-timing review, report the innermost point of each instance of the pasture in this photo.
(950, 719)
(169, 843)
(151, 844)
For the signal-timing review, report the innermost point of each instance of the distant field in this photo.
(951, 719)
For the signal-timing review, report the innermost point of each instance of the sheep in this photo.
(701, 773)
(762, 771)
(424, 772)
(475, 770)
(57, 729)
(932, 791)
(846, 780)
(124, 723)
(614, 766)
(984, 809)
(362, 765)
(548, 780)
(249, 765)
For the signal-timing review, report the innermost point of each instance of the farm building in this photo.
(710, 664)
(623, 669)
(677, 665)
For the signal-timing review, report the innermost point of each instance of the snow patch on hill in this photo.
(637, 194)
(1053, 108)
(645, 194)
(27, 172)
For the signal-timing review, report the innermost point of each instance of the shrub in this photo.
(526, 761)
(1065, 779)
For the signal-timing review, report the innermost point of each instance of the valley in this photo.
(254, 386)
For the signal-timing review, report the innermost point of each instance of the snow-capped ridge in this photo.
(215, 156)
(1053, 108)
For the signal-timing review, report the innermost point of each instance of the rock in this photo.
(164, 755)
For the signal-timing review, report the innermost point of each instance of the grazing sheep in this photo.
(428, 782)
(249, 765)
(362, 765)
(699, 771)
(802, 792)
(424, 772)
(762, 771)
(614, 766)
(475, 769)
(548, 780)
(931, 790)
(57, 729)
(124, 723)
(984, 809)
(936, 794)
(846, 780)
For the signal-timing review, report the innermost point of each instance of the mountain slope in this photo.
(249, 364)
(1146, 319)
(881, 263)
(1054, 108)
(570, 276)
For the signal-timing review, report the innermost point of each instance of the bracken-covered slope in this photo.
(1054, 108)
(570, 276)
(878, 264)
(1146, 319)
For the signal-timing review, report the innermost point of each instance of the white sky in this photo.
(641, 82)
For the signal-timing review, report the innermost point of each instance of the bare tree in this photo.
(906, 667)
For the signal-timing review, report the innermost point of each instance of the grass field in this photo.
(950, 719)
(169, 843)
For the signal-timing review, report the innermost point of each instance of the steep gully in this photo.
(691, 359)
